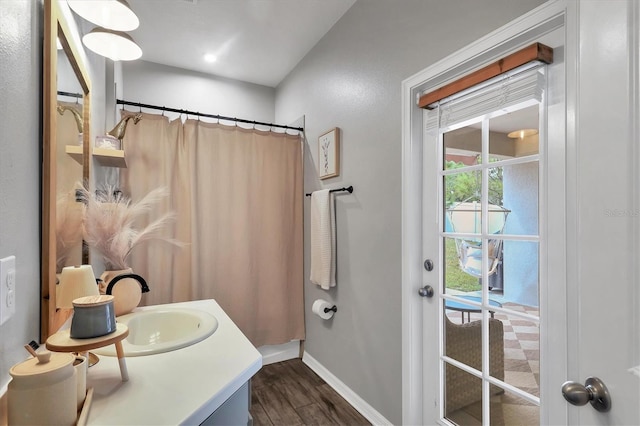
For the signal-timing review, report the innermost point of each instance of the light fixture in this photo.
(75, 282)
(115, 45)
(521, 134)
(112, 14)
(210, 58)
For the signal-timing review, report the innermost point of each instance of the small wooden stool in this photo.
(62, 342)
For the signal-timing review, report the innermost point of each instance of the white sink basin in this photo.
(162, 330)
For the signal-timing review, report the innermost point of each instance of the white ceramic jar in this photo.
(43, 391)
(81, 364)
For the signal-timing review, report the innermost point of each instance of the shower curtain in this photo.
(237, 194)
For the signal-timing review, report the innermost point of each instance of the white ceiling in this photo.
(258, 41)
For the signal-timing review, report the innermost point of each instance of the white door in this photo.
(604, 289)
(580, 250)
(486, 243)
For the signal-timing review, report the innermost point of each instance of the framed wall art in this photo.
(329, 154)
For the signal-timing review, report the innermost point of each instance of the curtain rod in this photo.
(199, 114)
(71, 95)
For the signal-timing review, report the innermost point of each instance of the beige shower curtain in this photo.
(238, 196)
(155, 155)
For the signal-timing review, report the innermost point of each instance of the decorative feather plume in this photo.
(109, 223)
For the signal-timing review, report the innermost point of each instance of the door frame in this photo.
(559, 264)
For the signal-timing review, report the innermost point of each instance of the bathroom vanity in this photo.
(205, 383)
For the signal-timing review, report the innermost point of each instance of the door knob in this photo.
(593, 391)
(426, 291)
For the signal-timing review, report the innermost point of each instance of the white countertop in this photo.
(179, 387)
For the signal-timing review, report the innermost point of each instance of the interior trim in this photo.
(533, 52)
(523, 31)
(345, 391)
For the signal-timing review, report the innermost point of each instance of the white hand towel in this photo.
(323, 239)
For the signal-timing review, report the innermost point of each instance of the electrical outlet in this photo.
(7, 288)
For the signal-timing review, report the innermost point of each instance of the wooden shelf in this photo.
(75, 151)
(110, 157)
(63, 342)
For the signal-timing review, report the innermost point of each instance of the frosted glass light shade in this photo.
(75, 282)
(115, 45)
(113, 14)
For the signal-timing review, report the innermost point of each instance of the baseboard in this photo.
(277, 353)
(346, 392)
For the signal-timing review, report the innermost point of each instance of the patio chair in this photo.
(464, 344)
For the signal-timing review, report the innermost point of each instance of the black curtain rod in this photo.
(199, 114)
(71, 95)
(349, 189)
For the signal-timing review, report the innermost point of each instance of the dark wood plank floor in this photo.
(290, 393)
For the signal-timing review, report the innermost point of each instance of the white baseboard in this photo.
(346, 392)
(277, 353)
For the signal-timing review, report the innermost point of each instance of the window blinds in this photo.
(518, 86)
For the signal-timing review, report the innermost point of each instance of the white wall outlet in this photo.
(7, 288)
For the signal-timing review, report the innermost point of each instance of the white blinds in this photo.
(499, 93)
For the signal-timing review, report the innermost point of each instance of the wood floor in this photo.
(290, 393)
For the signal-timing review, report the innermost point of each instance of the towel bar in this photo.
(349, 189)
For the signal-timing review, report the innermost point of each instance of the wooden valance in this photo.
(534, 52)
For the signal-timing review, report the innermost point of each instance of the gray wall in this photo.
(21, 34)
(162, 85)
(21, 31)
(352, 80)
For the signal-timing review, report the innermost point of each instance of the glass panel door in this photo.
(490, 315)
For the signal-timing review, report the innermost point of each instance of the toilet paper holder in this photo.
(334, 308)
(324, 309)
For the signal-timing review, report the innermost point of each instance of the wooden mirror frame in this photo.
(55, 27)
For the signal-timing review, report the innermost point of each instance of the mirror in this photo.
(69, 160)
(65, 160)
